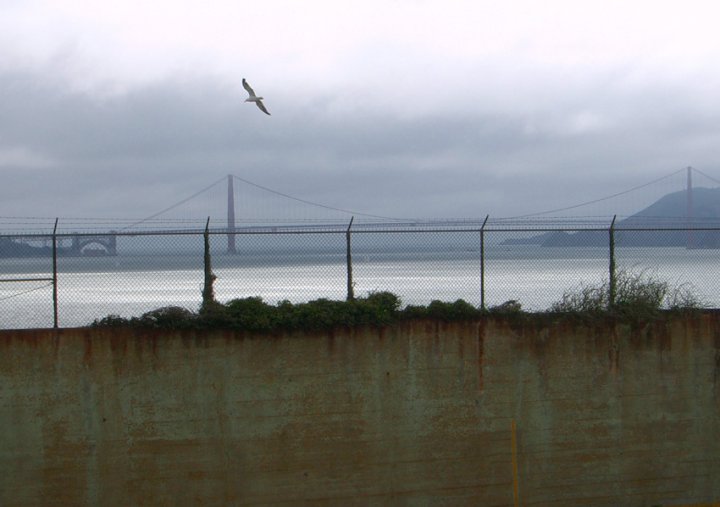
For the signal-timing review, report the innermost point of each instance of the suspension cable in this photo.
(602, 198)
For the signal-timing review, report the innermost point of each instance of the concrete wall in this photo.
(422, 413)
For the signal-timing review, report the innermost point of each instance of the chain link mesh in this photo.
(127, 274)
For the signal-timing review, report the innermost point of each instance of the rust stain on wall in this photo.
(481, 353)
(118, 343)
(388, 416)
(87, 347)
(614, 352)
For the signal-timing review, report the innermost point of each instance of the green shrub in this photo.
(458, 310)
(322, 314)
(378, 308)
(167, 317)
(586, 299)
(684, 299)
(637, 295)
(112, 320)
(448, 311)
(253, 314)
(508, 307)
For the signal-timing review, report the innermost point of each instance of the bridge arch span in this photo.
(94, 245)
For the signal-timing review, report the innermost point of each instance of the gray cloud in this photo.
(69, 153)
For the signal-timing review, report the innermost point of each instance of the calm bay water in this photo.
(129, 285)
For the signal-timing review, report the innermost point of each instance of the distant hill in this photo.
(670, 211)
(670, 208)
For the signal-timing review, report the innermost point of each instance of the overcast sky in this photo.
(433, 108)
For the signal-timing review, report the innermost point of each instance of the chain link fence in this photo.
(71, 279)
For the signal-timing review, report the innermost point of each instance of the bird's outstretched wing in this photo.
(262, 107)
(248, 88)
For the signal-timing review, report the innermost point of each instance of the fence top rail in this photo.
(343, 230)
(27, 226)
(26, 280)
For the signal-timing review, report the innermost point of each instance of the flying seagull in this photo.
(254, 98)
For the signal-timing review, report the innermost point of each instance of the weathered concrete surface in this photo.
(416, 414)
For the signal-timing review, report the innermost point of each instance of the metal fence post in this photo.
(208, 293)
(350, 287)
(54, 279)
(613, 280)
(482, 263)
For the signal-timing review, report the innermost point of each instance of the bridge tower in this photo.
(689, 212)
(230, 215)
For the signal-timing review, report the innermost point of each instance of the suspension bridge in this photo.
(233, 205)
(233, 202)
